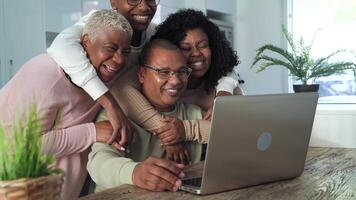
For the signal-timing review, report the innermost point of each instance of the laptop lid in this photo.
(257, 139)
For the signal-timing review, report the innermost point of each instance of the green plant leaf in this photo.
(22, 153)
(299, 61)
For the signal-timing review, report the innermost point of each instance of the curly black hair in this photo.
(223, 58)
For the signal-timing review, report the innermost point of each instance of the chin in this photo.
(141, 27)
(197, 75)
(171, 101)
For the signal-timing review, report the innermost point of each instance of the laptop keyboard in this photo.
(193, 182)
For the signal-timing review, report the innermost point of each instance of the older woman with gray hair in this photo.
(41, 81)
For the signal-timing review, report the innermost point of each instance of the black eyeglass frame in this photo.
(158, 69)
(147, 1)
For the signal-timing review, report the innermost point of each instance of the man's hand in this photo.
(171, 133)
(121, 125)
(208, 113)
(178, 153)
(104, 133)
(157, 174)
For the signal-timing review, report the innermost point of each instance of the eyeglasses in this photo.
(183, 72)
(137, 2)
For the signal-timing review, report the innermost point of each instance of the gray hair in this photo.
(107, 20)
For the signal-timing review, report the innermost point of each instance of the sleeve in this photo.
(139, 110)
(108, 167)
(137, 107)
(196, 128)
(228, 83)
(67, 51)
(74, 139)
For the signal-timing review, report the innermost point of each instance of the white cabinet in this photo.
(23, 34)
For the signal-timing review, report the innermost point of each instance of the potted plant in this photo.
(25, 171)
(300, 63)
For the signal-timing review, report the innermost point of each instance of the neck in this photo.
(136, 38)
(194, 83)
(164, 109)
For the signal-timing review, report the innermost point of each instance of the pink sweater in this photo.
(43, 82)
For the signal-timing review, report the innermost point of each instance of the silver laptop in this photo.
(254, 140)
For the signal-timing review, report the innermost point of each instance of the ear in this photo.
(141, 74)
(113, 4)
(85, 41)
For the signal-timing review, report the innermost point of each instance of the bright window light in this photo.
(334, 23)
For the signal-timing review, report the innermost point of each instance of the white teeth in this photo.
(110, 69)
(196, 63)
(141, 18)
(172, 91)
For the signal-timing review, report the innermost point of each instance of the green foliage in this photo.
(298, 61)
(21, 153)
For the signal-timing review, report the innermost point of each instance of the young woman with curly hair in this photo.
(198, 37)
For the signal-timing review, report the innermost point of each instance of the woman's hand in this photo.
(121, 126)
(104, 133)
(178, 153)
(171, 133)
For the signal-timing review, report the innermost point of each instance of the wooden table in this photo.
(330, 173)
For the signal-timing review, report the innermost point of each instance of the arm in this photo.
(109, 168)
(66, 141)
(67, 51)
(229, 83)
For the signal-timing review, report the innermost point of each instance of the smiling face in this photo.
(139, 16)
(108, 52)
(163, 93)
(196, 49)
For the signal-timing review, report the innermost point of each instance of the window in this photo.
(334, 23)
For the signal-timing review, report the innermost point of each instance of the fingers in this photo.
(163, 129)
(168, 165)
(124, 136)
(117, 146)
(149, 175)
(207, 115)
(170, 139)
(163, 177)
(187, 156)
(176, 157)
(114, 135)
(167, 118)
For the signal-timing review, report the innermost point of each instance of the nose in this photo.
(195, 52)
(175, 80)
(119, 58)
(143, 5)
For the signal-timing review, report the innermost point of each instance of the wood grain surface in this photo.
(329, 173)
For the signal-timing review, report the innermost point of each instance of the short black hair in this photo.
(223, 58)
(148, 47)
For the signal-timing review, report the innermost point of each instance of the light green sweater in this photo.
(109, 168)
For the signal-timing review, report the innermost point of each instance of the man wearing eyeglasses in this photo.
(163, 75)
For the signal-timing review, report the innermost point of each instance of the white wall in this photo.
(224, 6)
(24, 33)
(258, 23)
(60, 14)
